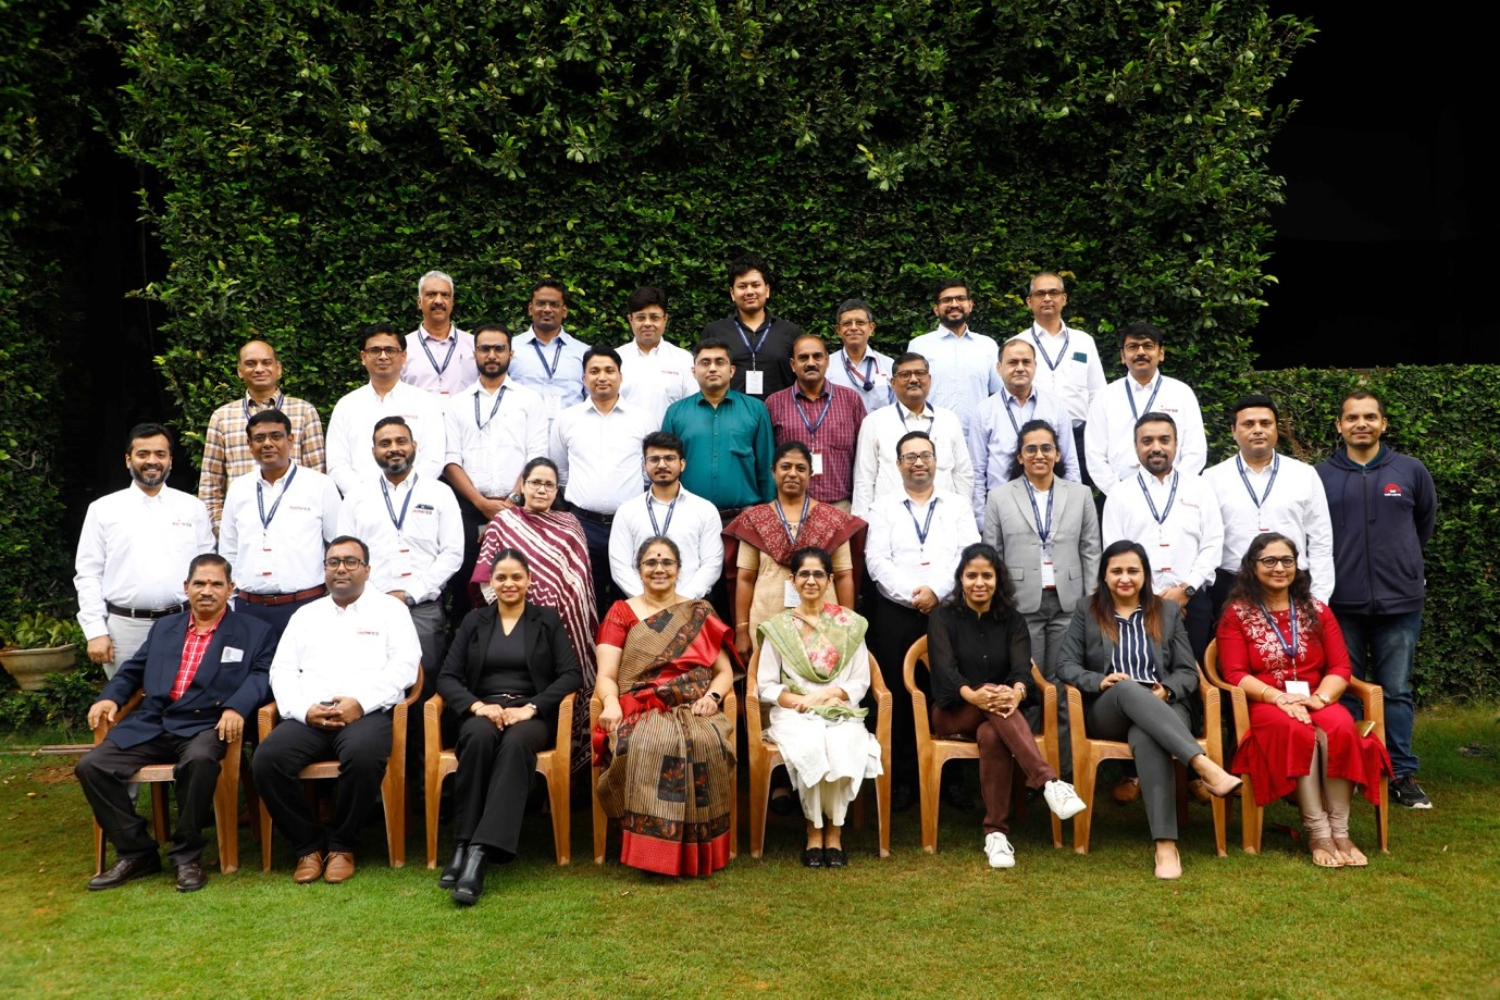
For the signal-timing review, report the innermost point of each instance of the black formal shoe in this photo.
(957, 796)
(125, 870)
(784, 803)
(834, 857)
(470, 885)
(190, 877)
(449, 878)
(812, 857)
(902, 798)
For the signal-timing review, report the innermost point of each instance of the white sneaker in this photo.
(997, 848)
(1062, 800)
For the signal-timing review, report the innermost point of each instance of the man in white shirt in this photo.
(915, 539)
(276, 522)
(493, 428)
(132, 548)
(655, 373)
(962, 361)
(343, 663)
(1175, 516)
(670, 510)
(877, 473)
(547, 358)
(595, 445)
(439, 356)
(857, 365)
(1109, 437)
(997, 424)
(1068, 364)
(1259, 490)
(349, 461)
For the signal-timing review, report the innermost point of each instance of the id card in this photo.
(552, 404)
(817, 463)
(1299, 688)
(755, 382)
(790, 598)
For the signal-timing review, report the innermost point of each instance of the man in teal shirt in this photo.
(727, 436)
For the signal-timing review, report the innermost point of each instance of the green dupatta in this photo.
(841, 628)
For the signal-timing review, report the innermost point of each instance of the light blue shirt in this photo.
(530, 360)
(875, 368)
(963, 370)
(992, 439)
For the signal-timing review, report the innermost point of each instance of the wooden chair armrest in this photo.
(752, 700)
(1213, 729)
(1372, 697)
(432, 727)
(103, 728)
(917, 654)
(1075, 710)
(564, 745)
(265, 719)
(1049, 698)
(881, 695)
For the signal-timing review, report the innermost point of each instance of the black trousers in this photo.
(457, 591)
(103, 772)
(494, 775)
(893, 628)
(361, 748)
(605, 591)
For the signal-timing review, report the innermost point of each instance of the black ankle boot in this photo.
(471, 880)
(449, 878)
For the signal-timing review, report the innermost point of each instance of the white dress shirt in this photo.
(1185, 547)
(963, 370)
(876, 473)
(1109, 438)
(598, 455)
(134, 552)
(493, 447)
(427, 548)
(273, 533)
(442, 367)
(1288, 498)
(1067, 365)
(351, 432)
(690, 521)
(554, 371)
(874, 369)
(896, 558)
(367, 651)
(993, 433)
(653, 380)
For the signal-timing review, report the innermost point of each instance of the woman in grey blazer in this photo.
(1128, 654)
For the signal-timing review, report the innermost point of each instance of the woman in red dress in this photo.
(1284, 649)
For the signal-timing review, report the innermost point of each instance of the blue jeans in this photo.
(1382, 650)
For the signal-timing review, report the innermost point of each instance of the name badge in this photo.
(552, 404)
(232, 655)
(817, 463)
(1299, 688)
(755, 383)
(790, 598)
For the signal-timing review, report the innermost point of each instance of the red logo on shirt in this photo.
(1392, 490)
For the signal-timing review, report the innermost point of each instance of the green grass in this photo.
(1422, 919)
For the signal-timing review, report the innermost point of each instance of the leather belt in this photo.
(276, 600)
(589, 515)
(148, 615)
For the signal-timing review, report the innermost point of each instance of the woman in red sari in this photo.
(1284, 649)
(662, 738)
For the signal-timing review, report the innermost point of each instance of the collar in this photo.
(425, 334)
(825, 394)
(192, 624)
(1011, 398)
(280, 483)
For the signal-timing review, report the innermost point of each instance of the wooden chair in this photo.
(1252, 815)
(392, 786)
(730, 708)
(226, 796)
(765, 757)
(1089, 753)
(933, 753)
(555, 766)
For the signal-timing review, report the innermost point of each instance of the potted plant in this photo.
(35, 646)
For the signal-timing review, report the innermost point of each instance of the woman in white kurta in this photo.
(814, 670)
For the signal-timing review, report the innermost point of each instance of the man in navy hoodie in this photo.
(1383, 506)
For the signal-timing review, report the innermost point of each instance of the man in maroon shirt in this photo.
(823, 416)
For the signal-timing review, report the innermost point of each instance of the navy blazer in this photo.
(549, 657)
(222, 681)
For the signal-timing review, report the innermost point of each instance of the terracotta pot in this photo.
(32, 667)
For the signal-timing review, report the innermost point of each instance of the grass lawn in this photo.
(1423, 919)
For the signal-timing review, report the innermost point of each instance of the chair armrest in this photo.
(752, 700)
(1372, 697)
(266, 719)
(564, 745)
(882, 697)
(104, 726)
(432, 728)
(1213, 730)
(1049, 698)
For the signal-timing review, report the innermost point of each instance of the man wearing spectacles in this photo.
(226, 456)
(667, 509)
(877, 473)
(547, 358)
(439, 356)
(1068, 365)
(857, 365)
(962, 361)
(655, 373)
(382, 352)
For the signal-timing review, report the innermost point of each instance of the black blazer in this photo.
(549, 656)
(234, 673)
(1086, 653)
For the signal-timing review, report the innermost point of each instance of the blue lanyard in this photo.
(452, 343)
(551, 369)
(1029, 399)
(786, 526)
(864, 380)
(385, 491)
(260, 499)
(498, 396)
(1037, 340)
(812, 428)
(1172, 496)
(1130, 395)
(1041, 532)
(765, 331)
(1289, 650)
(1275, 468)
(663, 529)
(926, 528)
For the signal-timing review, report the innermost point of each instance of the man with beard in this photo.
(494, 427)
(1175, 516)
(439, 356)
(760, 344)
(667, 509)
(962, 361)
(655, 373)
(133, 544)
(823, 416)
(547, 358)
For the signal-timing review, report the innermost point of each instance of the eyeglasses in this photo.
(952, 300)
(543, 305)
(856, 323)
(1039, 449)
(648, 317)
(275, 436)
(348, 562)
(384, 352)
(491, 348)
(713, 363)
(1271, 562)
(1046, 293)
(911, 376)
(254, 363)
(541, 485)
(917, 456)
(662, 459)
(659, 563)
(811, 574)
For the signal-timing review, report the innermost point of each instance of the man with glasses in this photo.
(857, 365)
(670, 510)
(760, 344)
(492, 429)
(962, 361)
(876, 472)
(439, 356)
(822, 416)
(1068, 365)
(998, 422)
(547, 358)
(656, 373)
(226, 456)
(350, 462)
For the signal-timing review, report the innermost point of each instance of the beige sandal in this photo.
(1351, 856)
(1324, 853)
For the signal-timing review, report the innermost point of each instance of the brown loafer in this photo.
(340, 867)
(191, 877)
(1127, 791)
(309, 868)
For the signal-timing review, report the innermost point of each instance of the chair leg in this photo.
(734, 820)
(433, 789)
(601, 821)
(859, 812)
(1220, 812)
(1085, 775)
(559, 788)
(1251, 818)
(927, 791)
(1383, 816)
(227, 820)
(159, 811)
(760, 792)
(265, 837)
(883, 807)
(98, 849)
(390, 800)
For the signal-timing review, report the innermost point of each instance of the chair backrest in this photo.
(917, 654)
(1211, 666)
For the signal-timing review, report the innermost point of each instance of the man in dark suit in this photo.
(204, 672)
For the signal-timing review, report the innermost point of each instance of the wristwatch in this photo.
(411, 601)
(518, 499)
(1190, 591)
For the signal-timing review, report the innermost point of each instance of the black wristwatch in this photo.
(411, 601)
(518, 499)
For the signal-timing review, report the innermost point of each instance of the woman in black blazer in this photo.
(1127, 652)
(508, 670)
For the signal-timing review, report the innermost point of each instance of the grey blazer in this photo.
(1010, 526)
(1087, 652)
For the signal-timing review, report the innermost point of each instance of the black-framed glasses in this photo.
(491, 348)
(911, 376)
(384, 352)
(1046, 293)
(659, 563)
(812, 574)
(1271, 562)
(1039, 449)
(274, 436)
(917, 456)
(347, 562)
(541, 484)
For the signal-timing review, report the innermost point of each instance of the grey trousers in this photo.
(1156, 732)
(1047, 625)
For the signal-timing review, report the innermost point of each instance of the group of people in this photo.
(640, 523)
